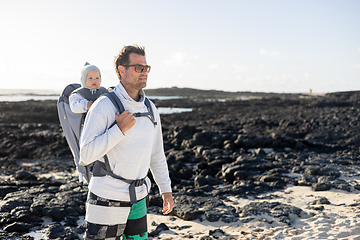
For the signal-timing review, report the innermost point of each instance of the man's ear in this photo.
(121, 70)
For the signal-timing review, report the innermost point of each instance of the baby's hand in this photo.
(89, 104)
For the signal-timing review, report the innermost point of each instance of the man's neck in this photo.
(134, 94)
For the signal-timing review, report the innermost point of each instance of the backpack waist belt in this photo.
(101, 169)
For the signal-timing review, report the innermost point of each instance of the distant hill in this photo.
(198, 93)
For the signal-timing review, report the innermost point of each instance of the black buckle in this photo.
(139, 183)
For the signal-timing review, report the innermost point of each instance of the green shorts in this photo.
(110, 219)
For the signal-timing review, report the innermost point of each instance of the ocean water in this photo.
(18, 95)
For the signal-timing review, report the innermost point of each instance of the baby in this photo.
(81, 99)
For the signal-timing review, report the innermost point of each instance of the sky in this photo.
(283, 46)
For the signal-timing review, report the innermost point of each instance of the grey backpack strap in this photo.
(117, 103)
(120, 107)
(148, 105)
(101, 169)
(151, 113)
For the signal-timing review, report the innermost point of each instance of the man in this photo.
(133, 146)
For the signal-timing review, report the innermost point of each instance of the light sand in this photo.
(337, 221)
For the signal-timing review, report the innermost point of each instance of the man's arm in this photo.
(159, 167)
(168, 202)
(96, 139)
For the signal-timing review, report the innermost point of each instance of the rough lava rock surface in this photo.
(239, 148)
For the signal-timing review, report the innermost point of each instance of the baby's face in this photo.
(93, 79)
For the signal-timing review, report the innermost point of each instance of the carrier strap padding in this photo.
(85, 93)
(116, 101)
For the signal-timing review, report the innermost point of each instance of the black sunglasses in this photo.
(139, 68)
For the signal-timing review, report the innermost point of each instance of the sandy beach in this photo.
(338, 220)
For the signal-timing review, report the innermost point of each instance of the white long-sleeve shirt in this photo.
(77, 103)
(130, 154)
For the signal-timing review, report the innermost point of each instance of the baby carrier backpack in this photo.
(71, 123)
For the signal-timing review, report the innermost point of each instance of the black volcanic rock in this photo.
(219, 150)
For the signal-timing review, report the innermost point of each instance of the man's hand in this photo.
(125, 120)
(168, 202)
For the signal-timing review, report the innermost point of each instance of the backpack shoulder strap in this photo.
(120, 107)
(148, 105)
(116, 101)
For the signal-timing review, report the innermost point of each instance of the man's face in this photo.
(131, 79)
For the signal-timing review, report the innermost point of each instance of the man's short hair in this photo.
(123, 58)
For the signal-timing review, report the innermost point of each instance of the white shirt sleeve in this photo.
(96, 139)
(77, 103)
(158, 164)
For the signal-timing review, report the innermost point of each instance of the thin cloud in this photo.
(270, 53)
(358, 65)
(276, 54)
(214, 66)
(180, 59)
(263, 52)
(239, 68)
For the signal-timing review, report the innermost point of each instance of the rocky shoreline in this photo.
(220, 150)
